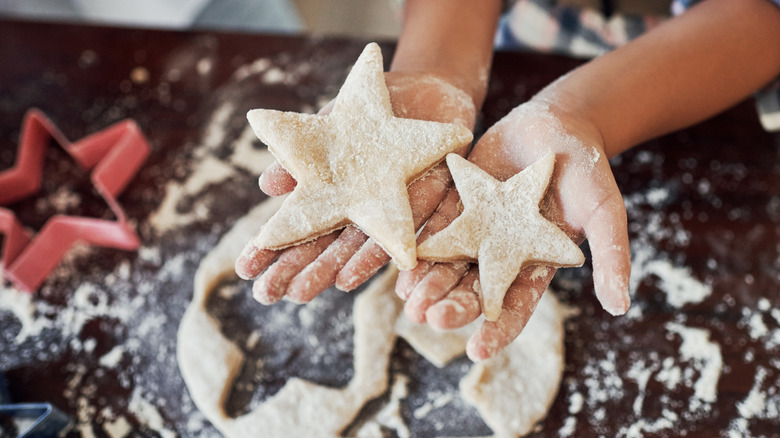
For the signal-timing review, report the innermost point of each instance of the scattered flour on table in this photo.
(117, 427)
(166, 217)
(698, 363)
(760, 403)
(652, 227)
(705, 354)
(148, 414)
(51, 330)
(676, 282)
(208, 171)
(435, 401)
(274, 71)
(698, 366)
(643, 426)
(576, 401)
(133, 310)
(762, 326)
(21, 305)
(217, 127)
(88, 302)
(112, 358)
(640, 373)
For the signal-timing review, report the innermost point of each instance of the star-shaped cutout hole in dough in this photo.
(501, 228)
(353, 164)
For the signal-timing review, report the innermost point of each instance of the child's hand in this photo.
(582, 199)
(348, 258)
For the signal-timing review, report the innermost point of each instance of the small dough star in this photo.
(501, 228)
(353, 165)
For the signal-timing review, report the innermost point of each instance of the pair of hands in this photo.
(582, 199)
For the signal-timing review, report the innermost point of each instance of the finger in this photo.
(321, 273)
(444, 215)
(434, 286)
(407, 280)
(275, 180)
(272, 285)
(363, 264)
(607, 233)
(520, 301)
(459, 307)
(448, 210)
(425, 194)
(253, 260)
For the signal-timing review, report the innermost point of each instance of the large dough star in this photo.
(353, 165)
(501, 228)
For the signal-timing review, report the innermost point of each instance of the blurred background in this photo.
(359, 18)
(371, 18)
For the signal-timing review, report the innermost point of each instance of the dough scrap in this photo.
(512, 391)
(439, 348)
(209, 362)
(515, 389)
(502, 228)
(353, 165)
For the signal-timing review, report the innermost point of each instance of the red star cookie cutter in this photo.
(113, 155)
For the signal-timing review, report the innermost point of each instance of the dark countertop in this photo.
(704, 212)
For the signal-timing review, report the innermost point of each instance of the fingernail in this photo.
(476, 352)
(245, 265)
(342, 286)
(267, 291)
(412, 312)
(613, 293)
(296, 295)
(620, 309)
(295, 299)
(347, 283)
(402, 286)
(447, 314)
(260, 293)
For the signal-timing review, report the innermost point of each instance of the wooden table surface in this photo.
(696, 356)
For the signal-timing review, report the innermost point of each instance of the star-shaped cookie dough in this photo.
(501, 228)
(353, 165)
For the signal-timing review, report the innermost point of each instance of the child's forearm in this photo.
(687, 70)
(452, 39)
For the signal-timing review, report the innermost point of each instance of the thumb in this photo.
(276, 181)
(607, 234)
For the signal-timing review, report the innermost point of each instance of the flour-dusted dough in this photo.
(511, 391)
(502, 228)
(209, 362)
(439, 348)
(353, 165)
(515, 389)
